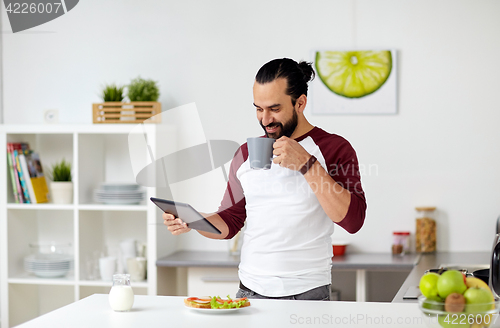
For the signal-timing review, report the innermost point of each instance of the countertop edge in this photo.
(170, 263)
(356, 261)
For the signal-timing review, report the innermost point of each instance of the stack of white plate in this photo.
(119, 193)
(48, 265)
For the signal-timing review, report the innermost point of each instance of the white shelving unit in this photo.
(98, 153)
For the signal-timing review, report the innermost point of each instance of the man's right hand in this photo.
(175, 226)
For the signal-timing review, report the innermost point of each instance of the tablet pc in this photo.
(188, 214)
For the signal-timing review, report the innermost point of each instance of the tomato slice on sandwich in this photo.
(216, 302)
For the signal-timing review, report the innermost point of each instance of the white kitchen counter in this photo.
(169, 311)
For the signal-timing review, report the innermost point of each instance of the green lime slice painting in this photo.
(354, 82)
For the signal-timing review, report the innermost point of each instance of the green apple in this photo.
(478, 300)
(428, 286)
(451, 281)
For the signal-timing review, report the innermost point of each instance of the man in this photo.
(290, 210)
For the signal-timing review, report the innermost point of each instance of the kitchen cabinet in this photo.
(98, 154)
(212, 281)
(201, 273)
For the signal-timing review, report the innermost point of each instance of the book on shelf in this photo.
(26, 176)
(37, 178)
(12, 149)
(28, 181)
(22, 181)
(16, 187)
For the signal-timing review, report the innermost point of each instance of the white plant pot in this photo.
(62, 192)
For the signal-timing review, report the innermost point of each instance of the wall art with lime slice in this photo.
(353, 74)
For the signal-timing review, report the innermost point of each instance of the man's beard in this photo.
(284, 130)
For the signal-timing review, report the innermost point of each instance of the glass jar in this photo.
(401, 242)
(121, 296)
(425, 235)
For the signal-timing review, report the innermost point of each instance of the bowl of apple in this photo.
(452, 300)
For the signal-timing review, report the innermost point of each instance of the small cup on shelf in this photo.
(107, 267)
(136, 267)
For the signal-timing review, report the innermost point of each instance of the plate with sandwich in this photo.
(216, 304)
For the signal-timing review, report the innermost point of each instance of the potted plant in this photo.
(143, 90)
(112, 92)
(143, 106)
(61, 185)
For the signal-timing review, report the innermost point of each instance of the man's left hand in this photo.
(290, 154)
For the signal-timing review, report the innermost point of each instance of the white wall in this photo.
(440, 149)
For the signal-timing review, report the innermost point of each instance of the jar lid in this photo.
(401, 233)
(425, 208)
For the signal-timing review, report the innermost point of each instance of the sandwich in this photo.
(216, 302)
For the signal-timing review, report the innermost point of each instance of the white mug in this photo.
(136, 267)
(107, 267)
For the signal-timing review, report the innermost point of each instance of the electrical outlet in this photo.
(51, 116)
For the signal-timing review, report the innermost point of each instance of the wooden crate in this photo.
(132, 112)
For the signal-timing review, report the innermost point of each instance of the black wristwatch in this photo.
(308, 165)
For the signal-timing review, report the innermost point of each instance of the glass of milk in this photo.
(121, 296)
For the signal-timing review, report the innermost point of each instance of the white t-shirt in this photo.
(287, 240)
